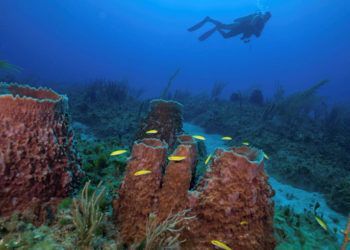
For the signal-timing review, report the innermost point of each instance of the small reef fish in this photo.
(321, 222)
(176, 158)
(118, 152)
(246, 143)
(266, 156)
(226, 138)
(220, 245)
(142, 172)
(207, 160)
(243, 222)
(199, 137)
(151, 132)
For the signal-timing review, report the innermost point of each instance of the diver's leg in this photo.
(231, 33)
(219, 24)
(207, 34)
(199, 25)
(226, 35)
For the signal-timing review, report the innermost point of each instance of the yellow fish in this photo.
(243, 222)
(220, 245)
(226, 138)
(118, 152)
(266, 157)
(142, 172)
(321, 222)
(246, 143)
(151, 132)
(199, 137)
(207, 160)
(176, 158)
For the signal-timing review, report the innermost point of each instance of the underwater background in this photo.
(126, 72)
(146, 41)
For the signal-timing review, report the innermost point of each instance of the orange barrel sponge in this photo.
(233, 203)
(38, 162)
(138, 192)
(178, 178)
(164, 120)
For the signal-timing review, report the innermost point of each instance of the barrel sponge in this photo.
(165, 117)
(38, 161)
(232, 203)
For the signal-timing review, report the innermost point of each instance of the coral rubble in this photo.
(38, 162)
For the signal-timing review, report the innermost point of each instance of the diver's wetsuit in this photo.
(247, 26)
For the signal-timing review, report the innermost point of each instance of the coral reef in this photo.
(292, 230)
(38, 161)
(180, 204)
(234, 190)
(307, 141)
(110, 109)
(166, 118)
(256, 97)
(301, 231)
(217, 89)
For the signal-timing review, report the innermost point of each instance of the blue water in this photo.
(73, 41)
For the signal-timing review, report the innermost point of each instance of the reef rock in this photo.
(232, 203)
(165, 117)
(38, 162)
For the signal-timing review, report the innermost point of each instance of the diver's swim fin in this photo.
(207, 34)
(198, 25)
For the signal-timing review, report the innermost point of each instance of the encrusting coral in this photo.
(38, 162)
(232, 203)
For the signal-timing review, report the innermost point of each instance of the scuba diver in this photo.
(247, 26)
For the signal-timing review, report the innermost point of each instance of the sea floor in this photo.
(299, 200)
